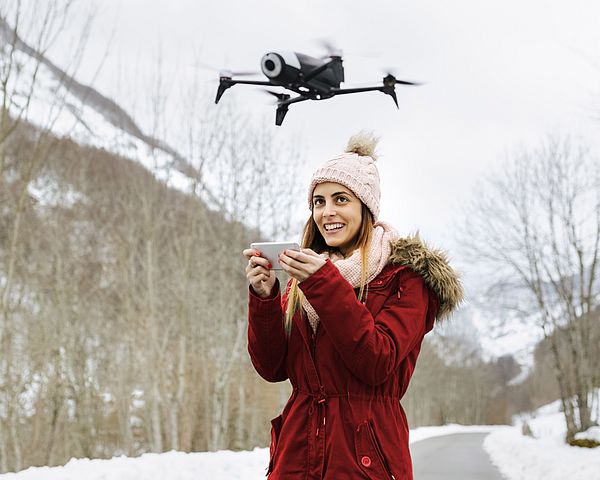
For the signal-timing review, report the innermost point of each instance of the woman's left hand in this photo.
(301, 265)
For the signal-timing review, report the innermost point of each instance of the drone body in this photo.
(310, 77)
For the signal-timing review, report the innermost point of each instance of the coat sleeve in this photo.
(371, 348)
(267, 340)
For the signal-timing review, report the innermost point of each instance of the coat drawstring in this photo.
(319, 402)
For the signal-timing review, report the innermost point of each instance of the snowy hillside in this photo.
(507, 333)
(50, 98)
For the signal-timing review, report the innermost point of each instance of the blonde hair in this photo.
(313, 239)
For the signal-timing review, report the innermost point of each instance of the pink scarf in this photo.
(379, 253)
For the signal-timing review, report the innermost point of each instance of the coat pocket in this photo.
(369, 455)
(276, 424)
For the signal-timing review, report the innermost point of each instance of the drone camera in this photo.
(272, 65)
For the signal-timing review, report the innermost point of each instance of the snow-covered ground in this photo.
(545, 456)
(518, 457)
(524, 458)
(222, 465)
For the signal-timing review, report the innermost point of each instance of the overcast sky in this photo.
(498, 75)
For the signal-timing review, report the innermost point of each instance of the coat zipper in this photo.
(379, 451)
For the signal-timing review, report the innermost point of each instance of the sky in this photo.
(498, 76)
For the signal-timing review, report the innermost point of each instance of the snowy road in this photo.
(453, 457)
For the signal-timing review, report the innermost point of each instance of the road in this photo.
(453, 457)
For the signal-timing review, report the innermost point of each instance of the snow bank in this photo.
(516, 456)
(592, 433)
(422, 433)
(524, 458)
(222, 465)
(546, 456)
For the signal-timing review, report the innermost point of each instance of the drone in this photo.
(310, 77)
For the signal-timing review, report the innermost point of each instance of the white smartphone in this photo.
(271, 250)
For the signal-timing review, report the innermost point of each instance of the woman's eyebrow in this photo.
(333, 195)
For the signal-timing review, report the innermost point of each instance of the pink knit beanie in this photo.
(355, 169)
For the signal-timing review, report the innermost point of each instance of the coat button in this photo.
(366, 461)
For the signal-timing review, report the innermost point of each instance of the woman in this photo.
(348, 329)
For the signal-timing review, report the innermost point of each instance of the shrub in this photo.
(584, 442)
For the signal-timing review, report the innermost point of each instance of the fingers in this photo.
(298, 265)
(296, 259)
(258, 272)
(251, 252)
(291, 258)
(255, 270)
(296, 255)
(259, 262)
(259, 276)
(255, 259)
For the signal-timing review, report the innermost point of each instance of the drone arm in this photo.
(342, 91)
(250, 82)
(226, 83)
(389, 90)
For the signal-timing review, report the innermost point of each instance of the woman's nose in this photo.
(328, 211)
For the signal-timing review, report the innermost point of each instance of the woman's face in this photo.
(337, 213)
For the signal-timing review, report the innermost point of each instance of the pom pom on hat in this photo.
(363, 144)
(355, 169)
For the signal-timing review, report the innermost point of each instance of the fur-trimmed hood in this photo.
(434, 267)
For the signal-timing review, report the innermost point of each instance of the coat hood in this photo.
(434, 267)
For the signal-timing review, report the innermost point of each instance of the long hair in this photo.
(313, 239)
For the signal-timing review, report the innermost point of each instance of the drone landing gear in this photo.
(280, 114)
(227, 82)
(283, 103)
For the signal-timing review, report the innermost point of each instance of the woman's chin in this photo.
(335, 243)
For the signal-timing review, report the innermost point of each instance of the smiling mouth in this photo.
(333, 227)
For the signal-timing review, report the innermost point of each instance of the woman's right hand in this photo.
(259, 273)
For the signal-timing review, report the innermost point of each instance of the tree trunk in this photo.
(157, 445)
(3, 449)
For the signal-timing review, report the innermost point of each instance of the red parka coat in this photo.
(344, 419)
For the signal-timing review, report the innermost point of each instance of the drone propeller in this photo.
(389, 84)
(334, 51)
(229, 73)
(224, 72)
(330, 48)
(390, 79)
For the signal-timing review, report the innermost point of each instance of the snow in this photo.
(423, 433)
(592, 433)
(524, 458)
(507, 332)
(172, 465)
(47, 191)
(545, 455)
(221, 465)
(53, 106)
(518, 457)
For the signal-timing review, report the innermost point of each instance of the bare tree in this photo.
(248, 178)
(27, 32)
(536, 226)
(114, 338)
